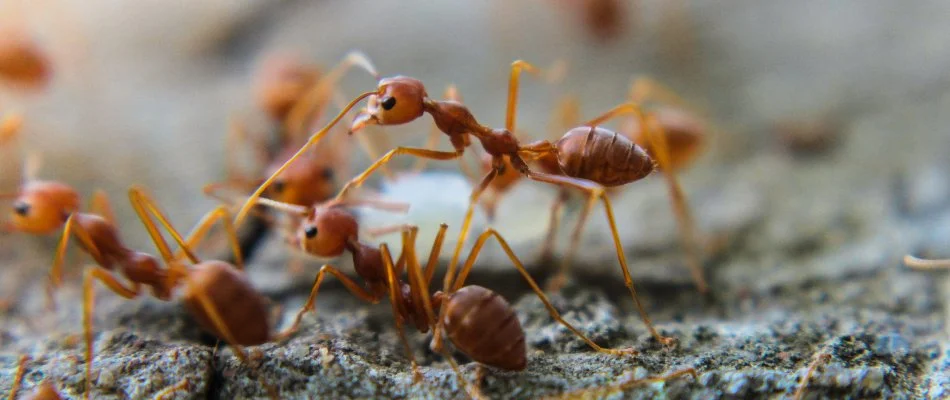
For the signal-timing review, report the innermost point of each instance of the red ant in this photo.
(47, 390)
(590, 158)
(217, 294)
(478, 321)
(39, 207)
(684, 136)
(22, 62)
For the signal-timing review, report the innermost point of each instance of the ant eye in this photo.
(327, 173)
(21, 208)
(278, 186)
(389, 103)
(311, 232)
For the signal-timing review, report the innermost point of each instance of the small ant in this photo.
(47, 390)
(217, 294)
(590, 158)
(478, 321)
(39, 207)
(22, 62)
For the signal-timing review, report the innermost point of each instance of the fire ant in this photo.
(46, 390)
(478, 321)
(39, 207)
(217, 294)
(590, 158)
(22, 62)
(683, 137)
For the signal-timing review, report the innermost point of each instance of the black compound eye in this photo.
(327, 174)
(278, 186)
(21, 209)
(311, 232)
(389, 103)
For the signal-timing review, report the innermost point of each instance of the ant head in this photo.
(327, 230)
(306, 182)
(43, 207)
(281, 81)
(398, 100)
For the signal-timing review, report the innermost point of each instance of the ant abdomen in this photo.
(483, 325)
(602, 156)
(235, 300)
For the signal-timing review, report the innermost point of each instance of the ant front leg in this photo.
(473, 256)
(398, 306)
(18, 377)
(924, 264)
(348, 282)
(71, 227)
(418, 152)
(101, 206)
(596, 191)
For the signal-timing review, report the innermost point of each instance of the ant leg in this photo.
(924, 264)
(180, 386)
(426, 153)
(399, 306)
(644, 88)
(71, 227)
(560, 279)
(684, 218)
(144, 206)
(101, 206)
(627, 383)
(89, 299)
(252, 200)
(434, 254)
(820, 358)
(18, 378)
(201, 229)
(348, 282)
(554, 74)
(619, 111)
(473, 256)
(317, 97)
(547, 248)
(595, 190)
(218, 322)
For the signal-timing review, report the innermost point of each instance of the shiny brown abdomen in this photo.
(239, 305)
(602, 156)
(483, 325)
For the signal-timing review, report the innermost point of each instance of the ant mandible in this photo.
(217, 294)
(329, 230)
(46, 390)
(590, 157)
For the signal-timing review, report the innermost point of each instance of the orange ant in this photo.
(39, 207)
(590, 158)
(466, 312)
(22, 62)
(47, 390)
(683, 137)
(217, 294)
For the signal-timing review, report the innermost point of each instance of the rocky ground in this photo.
(803, 249)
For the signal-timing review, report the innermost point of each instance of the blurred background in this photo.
(828, 133)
